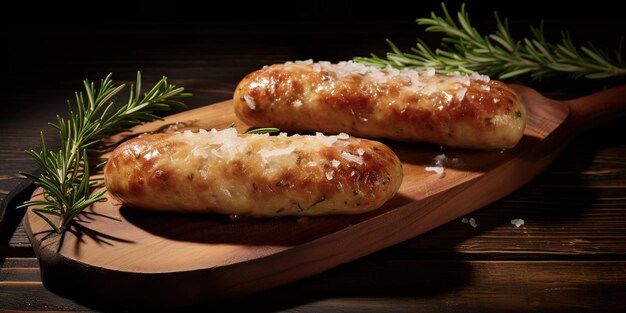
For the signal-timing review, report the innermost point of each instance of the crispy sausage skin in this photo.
(253, 175)
(406, 105)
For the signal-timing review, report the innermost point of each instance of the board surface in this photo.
(118, 254)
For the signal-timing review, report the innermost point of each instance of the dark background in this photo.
(44, 41)
(325, 10)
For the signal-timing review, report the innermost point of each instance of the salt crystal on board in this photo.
(471, 221)
(517, 222)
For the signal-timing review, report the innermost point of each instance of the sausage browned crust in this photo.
(407, 105)
(253, 175)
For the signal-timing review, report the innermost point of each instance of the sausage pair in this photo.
(261, 175)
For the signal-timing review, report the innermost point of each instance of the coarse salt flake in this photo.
(439, 163)
(435, 169)
(266, 153)
(476, 76)
(440, 159)
(326, 140)
(460, 94)
(352, 158)
(517, 222)
(216, 153)
(343, 136)
(201, 152)
(472, 222)
(335, 163)
(250, 102)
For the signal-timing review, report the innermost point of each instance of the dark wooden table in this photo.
(570, 255)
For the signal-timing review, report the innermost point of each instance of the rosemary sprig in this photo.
(463, 49)
(67, 187)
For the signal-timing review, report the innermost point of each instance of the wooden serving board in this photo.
(120, 256)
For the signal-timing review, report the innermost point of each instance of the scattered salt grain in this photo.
(329, 175)
(335, 163)
(472, 222)
(517, 222)
(439, 163)
(435, 169)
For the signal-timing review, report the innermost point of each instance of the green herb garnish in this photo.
(463, 49)
(67, 186)
(259, 131)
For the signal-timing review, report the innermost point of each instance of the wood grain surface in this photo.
(567, 257)
(454, 285)
(116, 254)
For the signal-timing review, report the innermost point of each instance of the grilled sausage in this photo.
(406, 105)
(253, 175)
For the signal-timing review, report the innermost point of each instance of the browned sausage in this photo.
(407, 105)
(253, 175)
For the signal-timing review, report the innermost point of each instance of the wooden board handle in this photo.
(598, 108)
